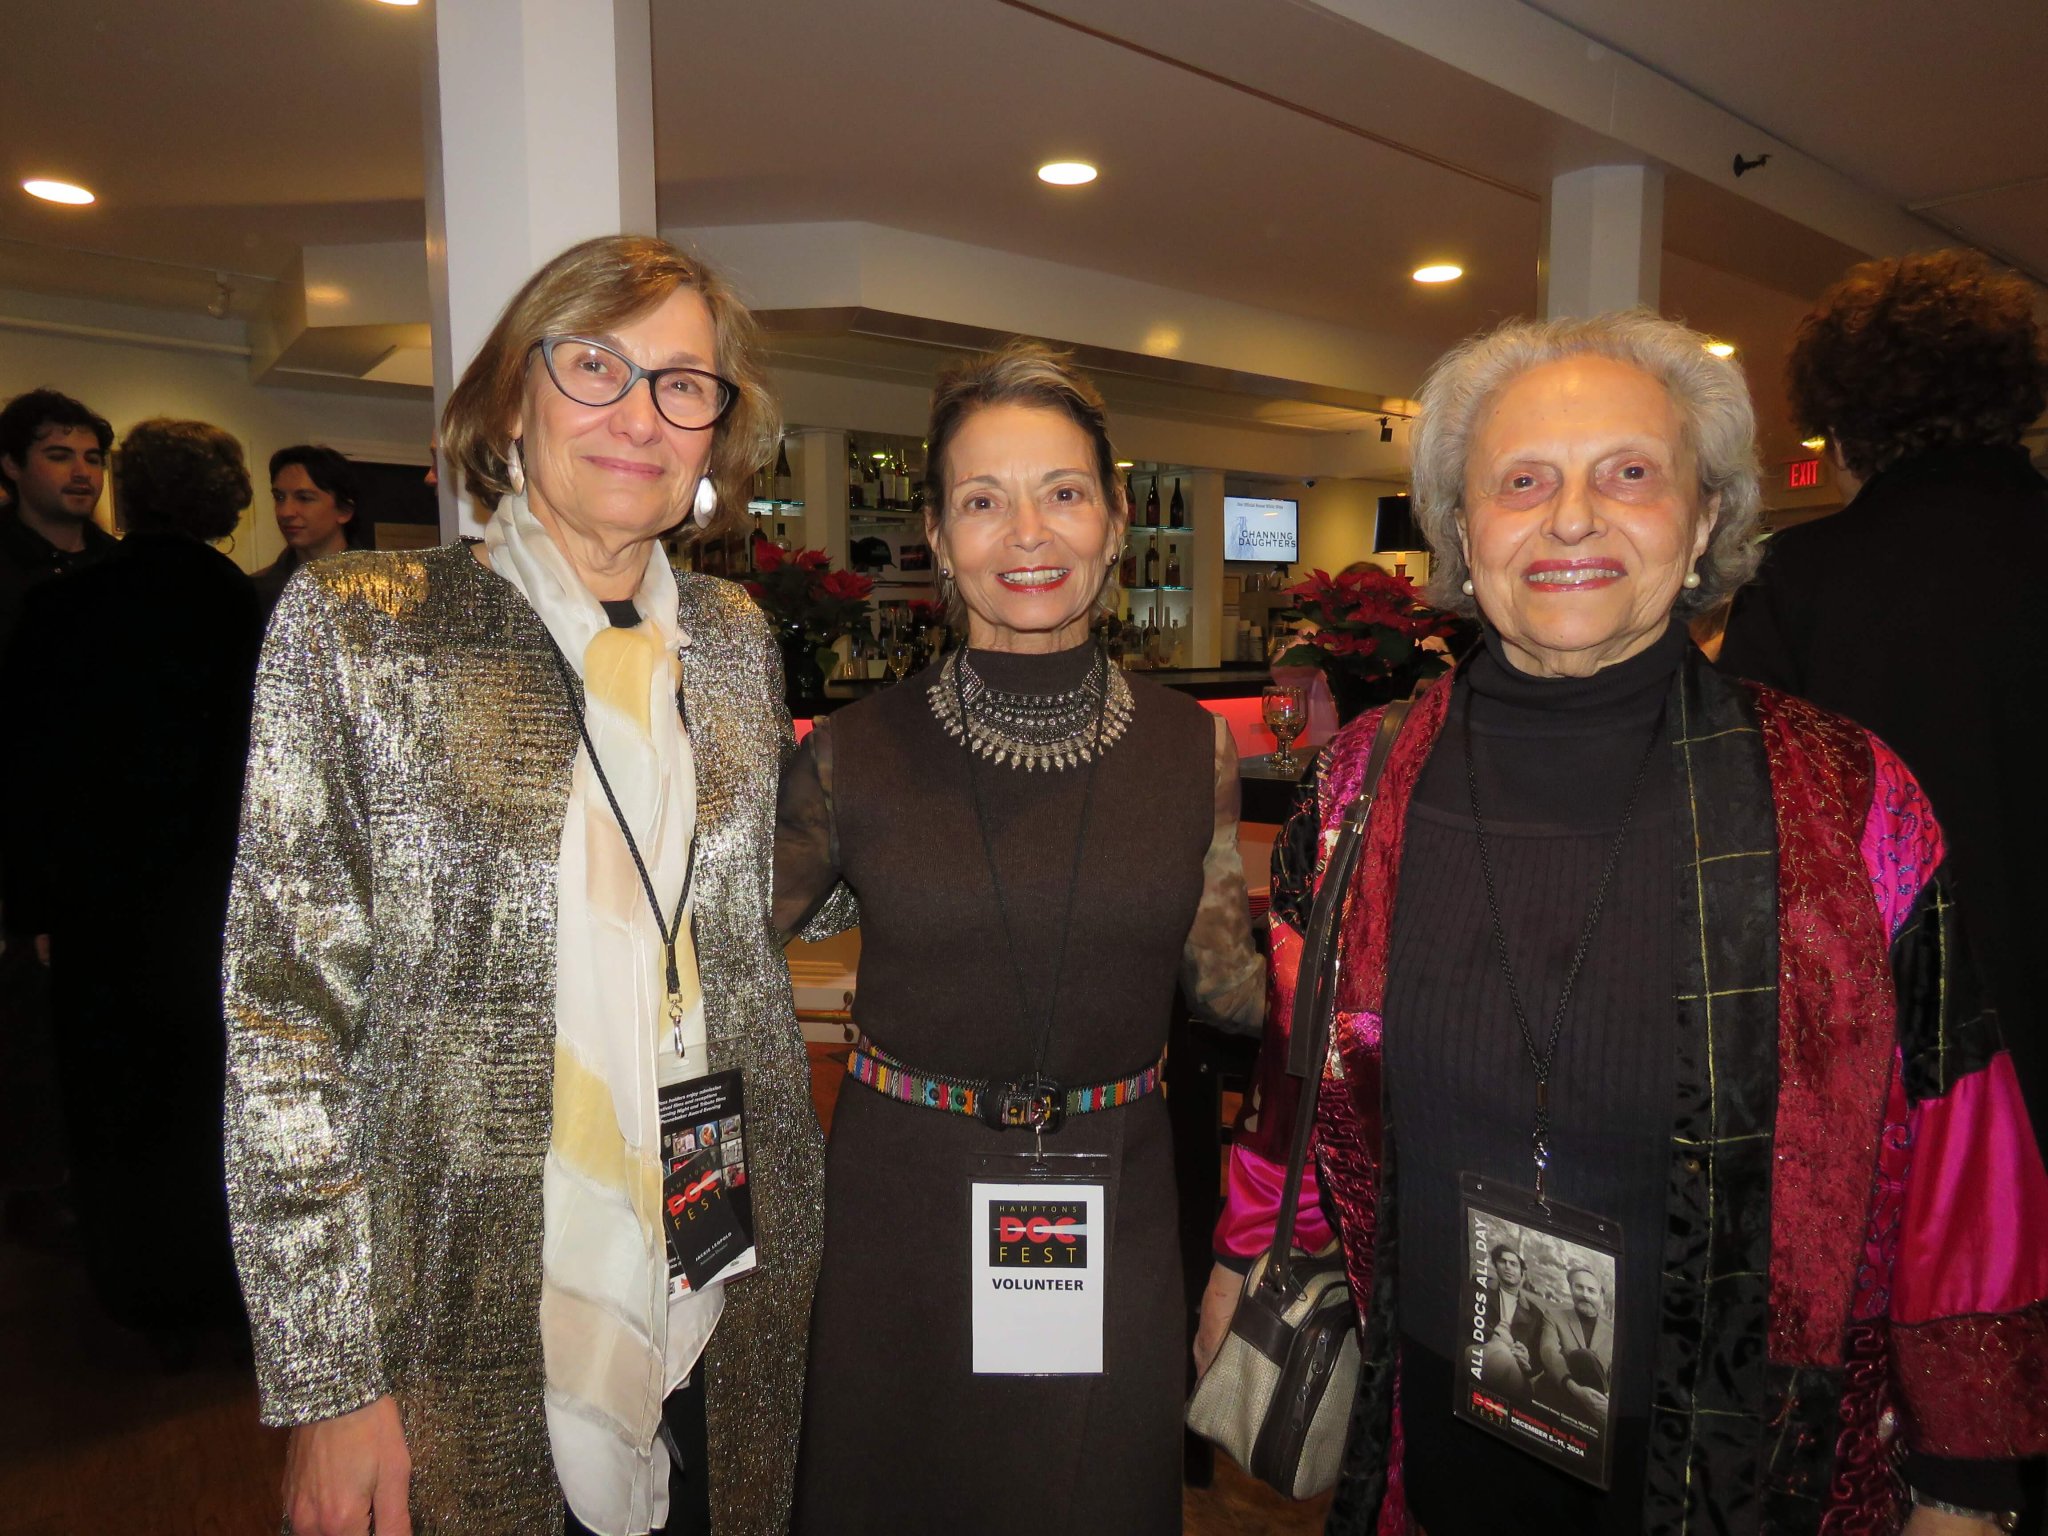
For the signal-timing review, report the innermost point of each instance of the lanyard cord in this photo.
(988, 852)
(1542, 1061)
(670, 929)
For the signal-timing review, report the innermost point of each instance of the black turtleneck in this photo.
(1556, 758)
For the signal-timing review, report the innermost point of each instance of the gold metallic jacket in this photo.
(390, 989)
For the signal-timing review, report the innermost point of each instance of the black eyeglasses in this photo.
(591, 373)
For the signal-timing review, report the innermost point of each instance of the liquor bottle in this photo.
(1177, 514)
(782, 537)
(1152, 566)
(1152, 503)
(1173, 565)
(1130, 497)
(856, 483)
(1127, 573)
(1152, 637)
(785, 482)
(871, 477)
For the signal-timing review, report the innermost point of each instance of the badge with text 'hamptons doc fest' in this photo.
(1038, 1253)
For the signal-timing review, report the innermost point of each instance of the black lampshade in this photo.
(1395, 527)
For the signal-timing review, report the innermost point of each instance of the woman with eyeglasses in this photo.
(498, 953)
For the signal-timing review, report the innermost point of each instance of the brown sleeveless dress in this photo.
(900, 1435)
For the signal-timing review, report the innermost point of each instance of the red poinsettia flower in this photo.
(811, 559)
(767, 556)
(754, 589)
(846, 586)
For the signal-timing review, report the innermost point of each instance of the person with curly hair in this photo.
(1924, 372)
(134, 679)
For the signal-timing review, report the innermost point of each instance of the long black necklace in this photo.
(1542, 1060)
(995, 874)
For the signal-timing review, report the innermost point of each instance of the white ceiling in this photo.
(1940, 108)
(1261, 150)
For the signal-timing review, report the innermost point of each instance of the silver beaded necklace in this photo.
(1051, 731)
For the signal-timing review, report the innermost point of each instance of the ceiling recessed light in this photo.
(401, 2)
(1816, 444)
(1721, 348)
(1439, 272)
(1067, 173)
(1126, 464)
(57, 191)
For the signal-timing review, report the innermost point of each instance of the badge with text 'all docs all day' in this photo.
(1038, 1252)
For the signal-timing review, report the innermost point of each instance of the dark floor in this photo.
(96, 1436)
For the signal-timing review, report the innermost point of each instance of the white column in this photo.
(540, 133)
(1603, 240)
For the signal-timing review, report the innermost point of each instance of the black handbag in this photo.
(1277, 1397)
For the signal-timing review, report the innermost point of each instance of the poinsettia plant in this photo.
(1371, 632)
(801, 592)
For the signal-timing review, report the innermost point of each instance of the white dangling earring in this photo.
(1692, 579)
(706, 505)
(515, 472)
(1465, 586)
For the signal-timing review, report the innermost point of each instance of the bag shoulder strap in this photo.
(1315, 987)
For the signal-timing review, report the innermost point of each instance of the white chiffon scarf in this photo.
(613, 1339)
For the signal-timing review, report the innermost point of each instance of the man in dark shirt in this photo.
(53, 464)
(53, 467)
(1514, 1326)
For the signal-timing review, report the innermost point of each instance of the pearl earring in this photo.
(1465, 586)
(515, 472)
(1692, 579)
(706, 504)
(945, 573)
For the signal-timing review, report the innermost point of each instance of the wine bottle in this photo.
(1173, 565)
(1127, 573)
(785, 482)
(1152, 503)
(856, 483)
(1152, 566)
(1130, 497)
(1178, 513)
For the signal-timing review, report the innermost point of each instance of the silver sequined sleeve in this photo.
(812, 900)
(297, 968)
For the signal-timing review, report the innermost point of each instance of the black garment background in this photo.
(119, 841)
(1948, 665)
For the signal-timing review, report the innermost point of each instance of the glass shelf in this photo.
(762, 506)
(1159, 589)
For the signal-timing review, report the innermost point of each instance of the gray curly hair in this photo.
(1717, 426)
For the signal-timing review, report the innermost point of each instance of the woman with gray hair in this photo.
(1653, 975)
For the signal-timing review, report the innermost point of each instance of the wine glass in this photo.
(1286, 714)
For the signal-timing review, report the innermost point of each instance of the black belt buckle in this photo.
(1039, 1105)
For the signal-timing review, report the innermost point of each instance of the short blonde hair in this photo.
(596, 286)
(1716, 423)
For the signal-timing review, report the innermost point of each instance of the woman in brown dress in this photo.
(1041, 849)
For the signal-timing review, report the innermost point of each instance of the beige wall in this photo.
(126, 382)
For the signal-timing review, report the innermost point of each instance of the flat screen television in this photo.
(1262, 528)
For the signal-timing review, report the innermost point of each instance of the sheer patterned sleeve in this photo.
(1968, 1302)
(812, 901)
(1257, 1171)
(1221, 972)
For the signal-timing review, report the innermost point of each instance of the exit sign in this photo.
(1802, 475)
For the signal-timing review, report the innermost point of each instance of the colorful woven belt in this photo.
(1038, 1104)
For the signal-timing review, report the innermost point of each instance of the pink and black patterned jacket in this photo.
(1857, 1256)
